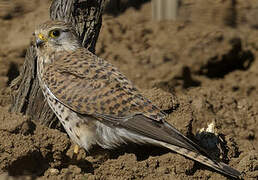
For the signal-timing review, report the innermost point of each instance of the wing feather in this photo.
(90, 85)
(168, 136)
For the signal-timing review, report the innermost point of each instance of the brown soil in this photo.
(207, 59)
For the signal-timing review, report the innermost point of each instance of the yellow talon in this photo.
(75, 152)
(76, 149)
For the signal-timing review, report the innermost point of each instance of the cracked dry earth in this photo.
(201, 69)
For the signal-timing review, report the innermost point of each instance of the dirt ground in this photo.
(201, 69)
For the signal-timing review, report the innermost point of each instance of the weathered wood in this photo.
(27, 98)
(165, 9)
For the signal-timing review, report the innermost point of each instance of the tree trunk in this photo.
(27, 97)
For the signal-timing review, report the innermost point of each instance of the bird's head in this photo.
(55, 36)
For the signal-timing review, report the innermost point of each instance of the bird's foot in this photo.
(75, 152)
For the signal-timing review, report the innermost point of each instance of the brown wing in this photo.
(90, 85)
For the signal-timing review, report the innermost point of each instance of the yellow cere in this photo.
(42, 37)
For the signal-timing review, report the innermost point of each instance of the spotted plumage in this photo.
(91, 85)
(97, 104)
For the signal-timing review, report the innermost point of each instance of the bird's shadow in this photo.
(83, 164)
(142, 152)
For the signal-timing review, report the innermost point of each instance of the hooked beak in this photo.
(40, 40)
(39, 43)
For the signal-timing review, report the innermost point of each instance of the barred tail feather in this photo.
(219, 166)
(141, 129)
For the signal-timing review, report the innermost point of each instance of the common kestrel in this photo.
(97, 104)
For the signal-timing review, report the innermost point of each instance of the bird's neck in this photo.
(47, 57)
(43, 59)
(40, 67)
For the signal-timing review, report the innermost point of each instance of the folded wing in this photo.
(91, 86)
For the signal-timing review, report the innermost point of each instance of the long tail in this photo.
(195, 152)
(219, 166)
(164, 134)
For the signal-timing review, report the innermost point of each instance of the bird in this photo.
(99, 105)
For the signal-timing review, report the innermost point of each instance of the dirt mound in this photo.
(202, 70)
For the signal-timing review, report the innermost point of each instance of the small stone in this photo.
(53, 171)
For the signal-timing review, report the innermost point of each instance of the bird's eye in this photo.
(54, 33)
